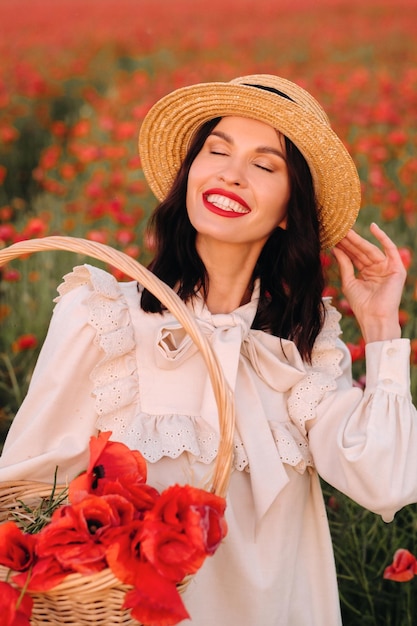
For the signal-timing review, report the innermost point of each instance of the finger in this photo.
(388, 245)
(361, 252)
(346, 268)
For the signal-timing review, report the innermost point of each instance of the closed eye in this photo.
(265, 168)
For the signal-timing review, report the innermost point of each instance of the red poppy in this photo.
(17, 549)
(406, 255)
(124, 552)
(24, 342)
(46, 574)
(185, 525)
(403, 567)
(3, 174)
(109, 460)
(10, 615)
(357, 351)
(141, 496)
(7, 231)
(154, 600)
(171, 552)
(75, 534)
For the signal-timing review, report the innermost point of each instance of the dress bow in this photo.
(245, 355)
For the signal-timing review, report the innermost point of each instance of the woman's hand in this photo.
(374, 290)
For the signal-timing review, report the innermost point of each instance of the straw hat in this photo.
(171, 123)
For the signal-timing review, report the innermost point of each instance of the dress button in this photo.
(391, 351)
(387, 381)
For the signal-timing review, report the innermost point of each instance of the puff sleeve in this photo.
(56, 419)
(364, 443)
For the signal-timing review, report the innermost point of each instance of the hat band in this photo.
(271, 89)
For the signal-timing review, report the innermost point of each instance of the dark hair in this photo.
(289, 266)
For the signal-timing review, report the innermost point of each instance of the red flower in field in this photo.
(124, 219)
(357, 351)
(24, 342)
(85, 153)
(17, 549)
(94, 189)
(98, 235)
(406, 257)
(36, 227)
(155, 600)
(123, 236)
(397, 137)
(133, 251)
(117, 179)
(360, 382)
(125, 130)
(49, 157)
(114, 152)
(58, 128)
(8, 134)
(10, 615)
(390, 212)
(134, 163)
(330, 292)
(7, 232)
(3, 174)
(110, 461)
(184, 526)
(11, 275)
(403, 317)
(414, 351)
(345, 307)
(326, 259)
(81, 128)
(68, 171)
(6, 213)
(403, 567)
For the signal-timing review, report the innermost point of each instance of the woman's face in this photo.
(238, 185)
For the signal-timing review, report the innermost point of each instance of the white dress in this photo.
(107, 365)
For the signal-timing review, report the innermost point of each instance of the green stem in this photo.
(24, 588)
(10, 370)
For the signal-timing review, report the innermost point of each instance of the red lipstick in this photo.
(239, 209)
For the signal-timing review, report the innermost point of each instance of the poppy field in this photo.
(77, 78)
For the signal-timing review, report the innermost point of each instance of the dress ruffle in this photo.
(116, 384)
(321, 374)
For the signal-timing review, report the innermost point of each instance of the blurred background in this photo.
(77, 78)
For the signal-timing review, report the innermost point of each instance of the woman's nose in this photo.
(233, 173)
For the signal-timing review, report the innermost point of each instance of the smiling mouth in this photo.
(226, 204)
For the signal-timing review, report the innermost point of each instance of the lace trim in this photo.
(116, 386)
(172, 435)
(116, 382)
(292, 446)
(115, 377)
(324, 369)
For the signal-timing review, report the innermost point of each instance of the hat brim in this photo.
(168, 128)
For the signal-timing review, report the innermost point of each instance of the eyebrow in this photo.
(259, 149)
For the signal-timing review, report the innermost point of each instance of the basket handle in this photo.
(133, 269)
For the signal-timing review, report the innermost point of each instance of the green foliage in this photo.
(364, 545)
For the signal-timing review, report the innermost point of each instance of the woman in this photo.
(253, 184)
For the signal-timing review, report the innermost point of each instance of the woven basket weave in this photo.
(86, 600)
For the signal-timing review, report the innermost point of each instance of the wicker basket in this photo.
(86, 600)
